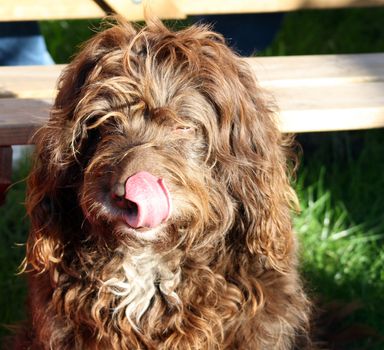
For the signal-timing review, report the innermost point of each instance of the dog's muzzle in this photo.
(145, 200)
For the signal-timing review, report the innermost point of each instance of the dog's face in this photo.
(147, 153)
(144, 131)
(162, 138)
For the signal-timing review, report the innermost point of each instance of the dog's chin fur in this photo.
(149, 235)
(220, 272)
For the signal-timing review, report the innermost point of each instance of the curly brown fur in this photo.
(221, 272)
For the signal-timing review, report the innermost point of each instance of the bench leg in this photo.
(5, 171)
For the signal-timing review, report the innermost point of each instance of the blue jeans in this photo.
(22, 44)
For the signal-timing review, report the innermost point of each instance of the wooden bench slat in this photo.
(297, 113)
(198, 7)
(324, 98)
(19, 119)
(166, 9)
(29, 81)
(318, 70)
(24, 10)
(340, 119)
(331, 108)
(274, 72)
(314, 93)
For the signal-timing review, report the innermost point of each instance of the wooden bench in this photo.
(314, 93)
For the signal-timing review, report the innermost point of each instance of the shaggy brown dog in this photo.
(160, 203)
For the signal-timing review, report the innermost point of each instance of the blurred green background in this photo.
(340, 185)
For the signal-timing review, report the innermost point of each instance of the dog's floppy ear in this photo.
(51, 189)
(252, 160)
(56, 174)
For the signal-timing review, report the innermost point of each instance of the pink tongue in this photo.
(151, 197)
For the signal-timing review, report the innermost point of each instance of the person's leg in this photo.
(21, 43)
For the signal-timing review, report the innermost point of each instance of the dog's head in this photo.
(160, 138)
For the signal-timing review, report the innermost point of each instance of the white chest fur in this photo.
(140, 278)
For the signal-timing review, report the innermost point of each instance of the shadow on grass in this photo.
(341, 229)
(347, 316)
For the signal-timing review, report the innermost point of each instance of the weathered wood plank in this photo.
(29, 81)
(166, 9)
(313, 93)
(20, 118)
(318, 70)
(274, 72)
(331, 108)
(198, 7)
(301, 110)
(24, 10)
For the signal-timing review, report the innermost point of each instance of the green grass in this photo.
(341, 229)
(13, 232)
(330, 31)
(340, 185)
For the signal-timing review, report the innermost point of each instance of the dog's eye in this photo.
(184, 129)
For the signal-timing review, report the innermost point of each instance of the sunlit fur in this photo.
(221, 273)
